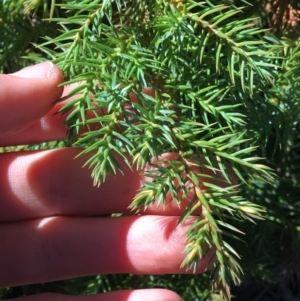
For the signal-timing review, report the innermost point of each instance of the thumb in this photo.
(28, 95)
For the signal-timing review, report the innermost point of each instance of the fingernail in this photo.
(42, 70)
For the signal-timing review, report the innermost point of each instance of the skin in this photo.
(47, 199)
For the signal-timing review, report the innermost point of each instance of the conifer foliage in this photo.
(224, 98)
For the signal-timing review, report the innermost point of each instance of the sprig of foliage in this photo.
(204, 66)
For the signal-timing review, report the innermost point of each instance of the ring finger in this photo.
(54, 248)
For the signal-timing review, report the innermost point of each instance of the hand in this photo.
(46, 198)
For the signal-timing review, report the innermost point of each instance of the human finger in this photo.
(123, 295)
(52, 125)
(55, 248)
(51, 182)
(47, 183)
(27, 95)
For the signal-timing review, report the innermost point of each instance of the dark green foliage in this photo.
(21, 25)
(224, 95)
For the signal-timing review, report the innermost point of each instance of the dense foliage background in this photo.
(237, 63)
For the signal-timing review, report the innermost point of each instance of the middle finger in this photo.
(51, 182)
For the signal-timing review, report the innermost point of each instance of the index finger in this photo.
(23, 100)
(49, 127)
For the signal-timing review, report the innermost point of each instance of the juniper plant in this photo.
(224, 100)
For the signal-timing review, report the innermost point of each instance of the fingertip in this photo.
(28, 95)
(42, 70)
(47, 71)
(121, 295)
